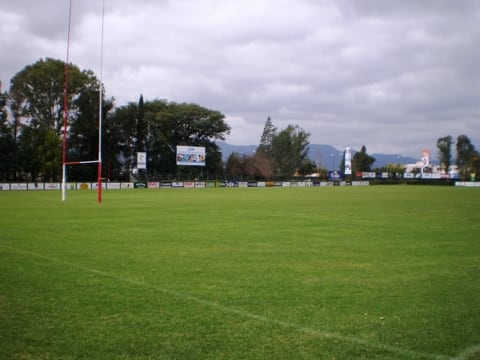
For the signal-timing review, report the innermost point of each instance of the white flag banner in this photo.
(141, 160)
(348, 161)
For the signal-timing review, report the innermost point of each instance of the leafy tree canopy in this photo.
(444, 146)
(265, 146)
(289, 150)
(466, 155)
(362, 161)
(36, 101)
(163, 125)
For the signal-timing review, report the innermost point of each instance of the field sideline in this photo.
(378, 272)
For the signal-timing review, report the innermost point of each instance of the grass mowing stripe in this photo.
(315, 332)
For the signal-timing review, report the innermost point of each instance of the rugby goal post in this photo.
(65, 114)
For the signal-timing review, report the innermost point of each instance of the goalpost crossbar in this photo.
(81, 162)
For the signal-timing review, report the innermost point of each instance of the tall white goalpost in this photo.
(65, 114)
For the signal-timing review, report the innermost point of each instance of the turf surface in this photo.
(384, 272)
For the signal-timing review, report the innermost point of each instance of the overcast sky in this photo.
(391, 75)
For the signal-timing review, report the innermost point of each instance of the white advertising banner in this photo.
(368, 175)
(95, 186)
(191, 155)
(113, 185)
(348, 161)
(141, 160)
(53, 186)
(18, 186)
(34, 186)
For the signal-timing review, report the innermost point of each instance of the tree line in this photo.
(467, 157)
(31, 129)
(31, 135)
(279, 154)
(32, 126)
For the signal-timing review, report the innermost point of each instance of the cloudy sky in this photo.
(391, 75)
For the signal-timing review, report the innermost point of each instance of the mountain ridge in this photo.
(324, 155)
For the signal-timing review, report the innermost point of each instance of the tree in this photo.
(120, 141)
(235, 166)
(37, 103)
(289, 149)
(29, 158)
(13, 127)
(7, 141)
(38, 90)
(259, 166)
(166, 125)
(362, 161)
(265, 146)
(307, 166)
(444, 146)
(142, 127)
(476, 165)
(82, 144)
(466, 155)
(393, 169)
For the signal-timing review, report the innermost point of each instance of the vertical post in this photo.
(100, 113)
(65, 107)
(63, 181)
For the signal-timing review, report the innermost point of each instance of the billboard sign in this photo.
(335, 175)
(191, 155)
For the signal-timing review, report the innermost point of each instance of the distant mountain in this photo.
(327, 156)
(384, 159)
(228, 149)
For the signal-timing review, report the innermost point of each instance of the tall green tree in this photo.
(265, 146)
(466, 154)
(120, 141)
(83, 133)
(361, 161)
(289, 149)
(31, 142)
(37, 103)
(142, 127)
(7, 145)
(13, 126)
(444, 146)
(38, 90)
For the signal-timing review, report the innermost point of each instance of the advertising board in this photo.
(191, 155)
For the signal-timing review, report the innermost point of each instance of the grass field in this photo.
(278, 273)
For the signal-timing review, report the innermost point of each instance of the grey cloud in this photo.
(394, 76)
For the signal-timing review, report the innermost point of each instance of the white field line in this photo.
(463, 355)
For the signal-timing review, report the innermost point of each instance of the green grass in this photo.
(280, 273)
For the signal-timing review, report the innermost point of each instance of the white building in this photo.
(426, 170)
